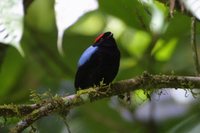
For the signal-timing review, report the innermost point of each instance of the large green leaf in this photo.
(131, 12)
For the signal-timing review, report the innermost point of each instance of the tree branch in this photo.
(64, 104)
(12, 110)
(194, 45)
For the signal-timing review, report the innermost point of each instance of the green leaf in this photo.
(188, 125)
(12, 68)
(166, 51)
(132, 12)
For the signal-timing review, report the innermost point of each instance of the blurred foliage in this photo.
(167, 52)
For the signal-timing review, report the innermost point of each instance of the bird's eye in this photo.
(101, 39)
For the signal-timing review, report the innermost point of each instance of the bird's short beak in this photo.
(111, 35)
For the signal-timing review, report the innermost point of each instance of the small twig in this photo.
(194, 45)
(171, 8)
(67, 125)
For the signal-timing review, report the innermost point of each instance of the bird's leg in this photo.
(103, 89)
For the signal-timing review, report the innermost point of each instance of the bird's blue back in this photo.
(87, 55)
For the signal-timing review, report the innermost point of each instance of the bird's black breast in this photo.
(102, 65)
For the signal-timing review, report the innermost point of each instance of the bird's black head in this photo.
(105, 39)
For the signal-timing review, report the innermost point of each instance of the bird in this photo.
(98, 63)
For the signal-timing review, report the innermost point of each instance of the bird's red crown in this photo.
(99, 37)
(103, 36)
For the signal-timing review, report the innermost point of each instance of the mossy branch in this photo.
(32, 113)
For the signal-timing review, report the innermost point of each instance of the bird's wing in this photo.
(86, 56)
(88, 70)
